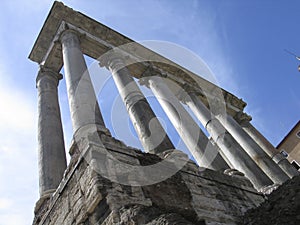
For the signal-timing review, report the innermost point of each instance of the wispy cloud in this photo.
(12, 219)
(5, 203)
(17, 153)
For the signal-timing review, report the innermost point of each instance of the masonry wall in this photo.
(282, 206)
(190, 196)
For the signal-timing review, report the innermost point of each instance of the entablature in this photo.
(96, 39)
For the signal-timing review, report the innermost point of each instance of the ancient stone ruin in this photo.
(108, 182)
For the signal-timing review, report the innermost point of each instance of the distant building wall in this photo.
(291, 145)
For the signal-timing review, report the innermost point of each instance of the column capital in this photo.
(242, 117)
(49, 73)
(234, 101)
(70, 37)
(151, 71)
(187, 90)
(112, 60)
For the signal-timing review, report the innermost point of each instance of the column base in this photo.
(268, 189)
(233, 172)
(178, 153)
(84, 131)
(44, 197)
(174, 156)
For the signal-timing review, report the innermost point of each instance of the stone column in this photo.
(201, 148)
(230, 148)
(51, 149)
(283, 163)
(83, 103)
(151, 134)
(253, 149)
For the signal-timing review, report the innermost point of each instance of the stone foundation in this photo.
(192, 195)
(282, 206)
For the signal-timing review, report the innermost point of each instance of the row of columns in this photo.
(200, 147)
(239, 159)
(253, 149)
(269, 149)
(237, 145)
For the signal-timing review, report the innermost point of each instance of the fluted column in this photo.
(151, 134)
(200, 147)
(283, 163)
(270, 168)
(230, 148)
(51, 149)
(83, 103)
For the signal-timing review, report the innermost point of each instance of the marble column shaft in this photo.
(51, 149)
(270, 168)
(83, 103)
(230, 148)
(283, 163)
(150, 132)
(204, 152)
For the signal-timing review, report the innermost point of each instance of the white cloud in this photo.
(16, 112)
(18, 163)
(17, 116)
(12, 219)
(5, 203)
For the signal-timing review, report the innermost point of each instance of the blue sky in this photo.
(243, 43)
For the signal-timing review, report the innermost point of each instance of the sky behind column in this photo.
(242, 42)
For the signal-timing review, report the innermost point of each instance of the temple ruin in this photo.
(108, 182)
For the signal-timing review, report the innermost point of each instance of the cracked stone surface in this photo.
(190, 196)
(281, 207)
